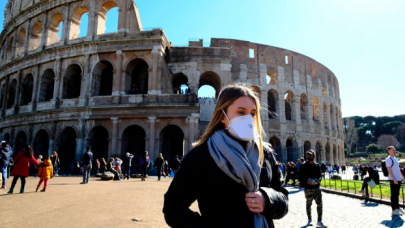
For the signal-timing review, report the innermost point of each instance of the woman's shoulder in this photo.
(197, 153)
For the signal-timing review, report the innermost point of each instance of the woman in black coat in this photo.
(158, 165)
(291, 173)
(223, 200)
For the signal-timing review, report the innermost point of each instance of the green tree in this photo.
(372, 148)
(391, 127)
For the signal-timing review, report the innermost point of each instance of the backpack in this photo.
(384, 168)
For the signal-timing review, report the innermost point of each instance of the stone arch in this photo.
(103, 76)
(19, 49)
(171, 142)
(41, 143)
(289, 101)
(9, 49)
(36, 34)
(46, 86)
(11, 93)
(137, 76)
(178, 80)
(304, 106)
(76, 22)
(26, 90)
(328, 155)
(53, 28)
(273, 74)
(212, 79)
(20, 141)
(67, 149)
(102, 15)
(292, 150)
(272, 102)
(318, 150)
(133, 140)
(276, 144)
(315, 108)
(325, 115)
(98, 140)
(72, 82)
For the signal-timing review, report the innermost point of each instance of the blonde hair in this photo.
(227, 97)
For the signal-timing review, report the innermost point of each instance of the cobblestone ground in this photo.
(339, 212)
(117, 203)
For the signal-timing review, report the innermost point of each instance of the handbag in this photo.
(371, 184)
(15, 163)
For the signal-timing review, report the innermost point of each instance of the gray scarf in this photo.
(243, 167)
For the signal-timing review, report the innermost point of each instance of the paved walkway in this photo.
(339, 212)
(116, 204)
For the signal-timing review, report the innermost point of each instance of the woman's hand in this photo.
(255, 201)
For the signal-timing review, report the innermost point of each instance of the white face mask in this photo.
(242, 127)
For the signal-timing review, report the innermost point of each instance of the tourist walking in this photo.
(310, 176)
(337, 168)
(291, 173)
(21, 167)
(45, 172)
(232, 157)
(39, 159)
(175, 164)
(343, 169)
(87, 162)
(110, 168)
(166, 169)
(5, 158)
(55, 163)
(330, 170)
(144, 162)
(158, 165)
(372, 180)
(128, 165)
(395, 177)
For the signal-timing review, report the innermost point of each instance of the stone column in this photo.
(310, 114)
(44, 35)
(329, 126)
(66, 26)
(157, 52)
(58, 78)
(12, 137)
(35, 88)
(191, 133)
(86, 79)
(80, 140)
(30, 136)
(295, 109)
(114, 138)
(119, 77)
(152, 137)
(3, 112)
(14, 44)
(281, 105)
(27, 38)
(17, 94)
(264, 113)
(52, 137)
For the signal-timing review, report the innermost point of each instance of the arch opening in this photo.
(133, 141)
(288, 100)
(272, 98)
(137, 73)
(103, 75)
(172, 142)
(275, 143)
(11, 94)
(26, 90)
(7, 137)
(273, 76)
(67, 150)
(307, 146)
(328, 154)
(36, 34)
(20, 141)
(318, 149)
(41, 143)
(108, 18)
(335, 156)
(98, 141)
(180, 84)
(315, 107)
(212, 79)
(19, 49)
(72, 82)
(46, 86)
(9, 49)
(292, 151)
(3, 95)
(54, 29)
(79, 23)
(304, 106)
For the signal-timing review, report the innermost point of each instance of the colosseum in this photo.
(116, 92)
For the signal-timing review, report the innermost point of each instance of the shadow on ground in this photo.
(395, 222)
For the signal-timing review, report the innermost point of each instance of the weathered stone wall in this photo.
(115, 92)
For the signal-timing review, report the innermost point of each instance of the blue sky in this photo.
(361, 41)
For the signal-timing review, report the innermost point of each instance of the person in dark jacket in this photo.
(144, 162)
(231, 172)
(372, 175)
(166, 169)
(5, 157)
(291, 173)
(87, 165)
(323, 170)
(175, 164)
(310, 176)
(127, 165)
(158, 165)
(110, 168)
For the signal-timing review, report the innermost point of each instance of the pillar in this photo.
(17, 95)
(295, 109)
(44, 35)
(58, 78)
(27, 38)
(66, 26)
(281, 104)
(3, 112)
(119, 76)
(152, 137)
(114, 138)
(35, 87)
(80, 139)
(156, 54)
(30, 134)
(191, 133)
(52, 137)
(14, 44)
(86, 79)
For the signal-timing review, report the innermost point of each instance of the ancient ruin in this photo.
(116, 91)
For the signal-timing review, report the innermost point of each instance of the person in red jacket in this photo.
(21, 166)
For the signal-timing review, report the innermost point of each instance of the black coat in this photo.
(220, 199)
(159, 162)
(5, 155)
(374, 175)
(128, 161)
